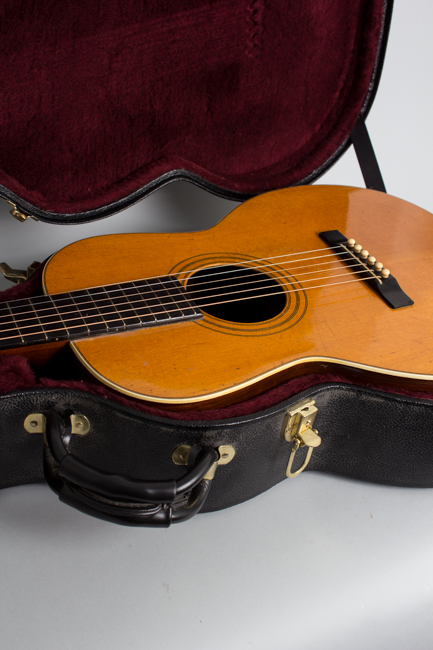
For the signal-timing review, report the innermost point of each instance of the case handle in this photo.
(117, 498)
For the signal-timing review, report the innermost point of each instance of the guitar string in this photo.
(3, 338)
(94, 303)
(253, 261)
(263, 259)
(223, 302)
(141, 296)
(210, 275)
(145, 281)
(200, 284)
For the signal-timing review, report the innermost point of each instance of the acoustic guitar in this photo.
(291, 282)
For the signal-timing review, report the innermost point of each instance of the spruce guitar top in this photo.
(291, 282)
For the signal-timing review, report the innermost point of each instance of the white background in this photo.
(317, 562)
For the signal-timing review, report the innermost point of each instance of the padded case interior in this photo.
(102, 100)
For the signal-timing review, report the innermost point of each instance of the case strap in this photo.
(118, 498)
(366, 157)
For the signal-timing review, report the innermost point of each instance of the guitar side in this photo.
(192, 364)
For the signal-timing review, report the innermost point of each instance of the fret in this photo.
(160, 289)
(70, 315)
(178, 293)
(30, 325)
(98, 310)
(150, 297)
(90, 313)
(10, 335)
(122, 306)
(138, 304)
(106, 308)
(57, 313)
(49, 317)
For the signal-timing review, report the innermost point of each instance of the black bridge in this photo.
(365, 266)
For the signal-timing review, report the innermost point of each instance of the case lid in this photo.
(104, 102)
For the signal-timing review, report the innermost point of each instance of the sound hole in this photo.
(237, 294)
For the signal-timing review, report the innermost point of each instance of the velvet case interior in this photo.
(101, 100)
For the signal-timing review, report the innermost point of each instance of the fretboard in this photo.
(99, 310)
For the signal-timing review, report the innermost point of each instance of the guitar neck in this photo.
(94, 311)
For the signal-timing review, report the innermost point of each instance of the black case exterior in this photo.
(366, 434)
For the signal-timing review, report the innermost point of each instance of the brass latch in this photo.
(18, 275)
(298, 429)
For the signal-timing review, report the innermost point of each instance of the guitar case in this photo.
(104, 104)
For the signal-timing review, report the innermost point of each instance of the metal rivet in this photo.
(181, 454)
(80, 425)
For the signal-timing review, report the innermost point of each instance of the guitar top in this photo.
(259, 298)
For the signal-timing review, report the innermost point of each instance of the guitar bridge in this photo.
(366, 266)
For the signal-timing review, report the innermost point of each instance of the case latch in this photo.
(298, 429)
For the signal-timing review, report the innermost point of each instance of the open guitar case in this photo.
(102, 105)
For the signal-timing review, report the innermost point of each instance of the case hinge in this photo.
(298, 429)
(17, 214)
(18, 275)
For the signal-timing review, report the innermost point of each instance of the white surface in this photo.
(317, 562)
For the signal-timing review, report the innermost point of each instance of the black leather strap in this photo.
(127, 514)
(366, 157)
(118, 498)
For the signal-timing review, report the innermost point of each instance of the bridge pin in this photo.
(385, 273)
(371, 260)
(351, 243)
(357, 248)
(364, 254)
(378, 266)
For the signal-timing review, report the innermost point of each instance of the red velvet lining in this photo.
(98, 99)
(16, 374)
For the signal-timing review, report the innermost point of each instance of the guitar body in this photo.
(341, 329)
(219, 360)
